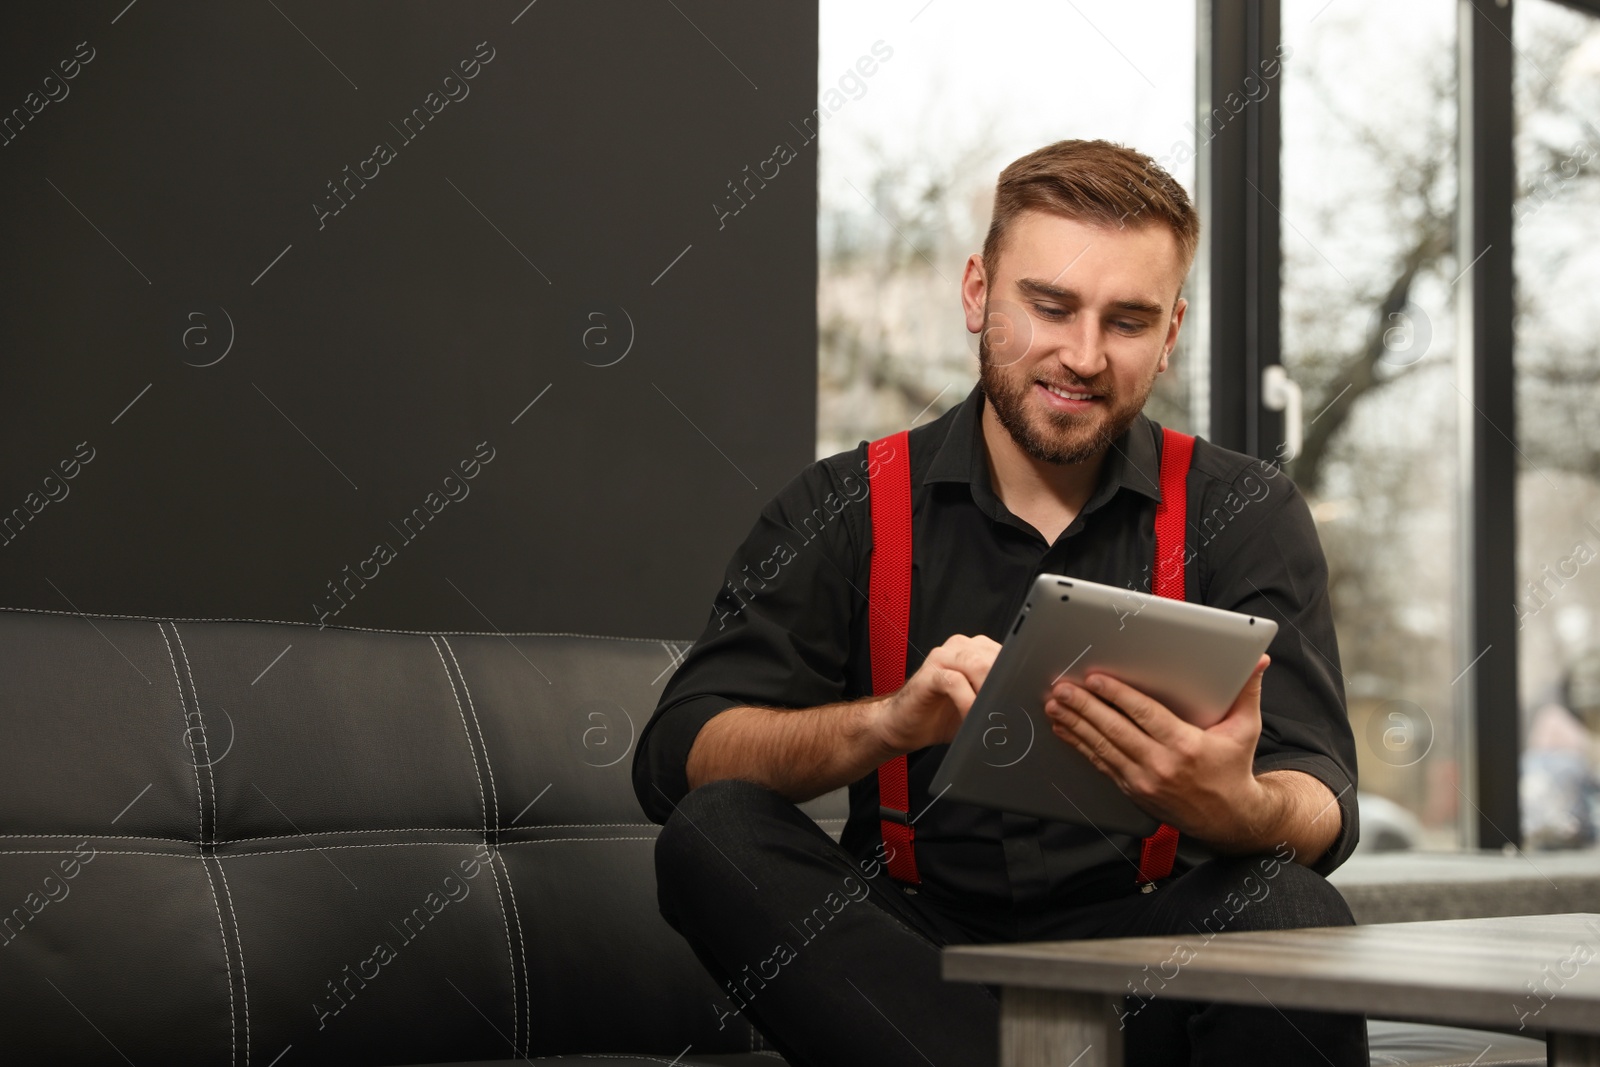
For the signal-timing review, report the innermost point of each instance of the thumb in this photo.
(1252, 687)
(1246, 709)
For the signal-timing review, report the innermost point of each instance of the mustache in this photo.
(1078, 385)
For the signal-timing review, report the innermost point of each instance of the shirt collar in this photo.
(1131, 463)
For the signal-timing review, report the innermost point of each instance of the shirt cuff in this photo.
(1328, 773)
(661, 773)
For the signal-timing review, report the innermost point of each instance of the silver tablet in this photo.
(1192, 658)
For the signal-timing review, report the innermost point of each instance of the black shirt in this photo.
(789, 628)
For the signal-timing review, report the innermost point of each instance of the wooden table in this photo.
(1062, 1000)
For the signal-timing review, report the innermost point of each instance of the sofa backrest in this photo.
(221, 839)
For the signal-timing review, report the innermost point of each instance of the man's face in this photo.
(1073, 328)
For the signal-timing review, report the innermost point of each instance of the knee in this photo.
(1267, 893)
(1308, 899)
(719, 810)
(711, 833)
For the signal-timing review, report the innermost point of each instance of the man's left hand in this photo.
(1201, 782)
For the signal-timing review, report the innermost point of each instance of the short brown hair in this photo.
(1096, 182)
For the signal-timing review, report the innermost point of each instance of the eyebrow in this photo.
(1056, 292)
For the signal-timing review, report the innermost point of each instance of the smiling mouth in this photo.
(1067, 394)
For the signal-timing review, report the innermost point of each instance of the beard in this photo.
(1057, 437)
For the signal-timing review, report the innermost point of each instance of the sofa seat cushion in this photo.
(1421, 1045)
(1392, 1045)
(599, 1059)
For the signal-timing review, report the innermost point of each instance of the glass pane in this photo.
(909, 158)
(1557, 256)
(1368, 207)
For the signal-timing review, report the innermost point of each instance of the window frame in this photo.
(1238, 180)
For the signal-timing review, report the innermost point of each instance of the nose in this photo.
(1079, 349)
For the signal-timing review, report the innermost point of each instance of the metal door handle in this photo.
(1279, 392)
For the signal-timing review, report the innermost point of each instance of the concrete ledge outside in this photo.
(1410, 886)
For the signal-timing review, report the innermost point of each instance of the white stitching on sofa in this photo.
(494, 791)
(183, 706)
(288, 851)
(334, 626)
(522, 950)
(483, 800)
(522, 953)
(483, 803)
(106, 837)
(238, 946)
(98, 852)
(575, 825)
(211, 771)
(199, 797)
(227, 959)
(473, 830)
(511, 959)
(408, 844)
(352, 830)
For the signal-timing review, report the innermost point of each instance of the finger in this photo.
(1250, 695)
(954, 685)
(1082, 706)
(980, 661)
(973, 658)
(1152, 716)
(1108, 735)
(1092, 746)
(1245, 714)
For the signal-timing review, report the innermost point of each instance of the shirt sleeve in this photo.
(780, 629)
(1264, 558)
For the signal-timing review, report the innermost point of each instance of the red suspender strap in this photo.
(1161, 848)
(1172, 513)
(889, 623)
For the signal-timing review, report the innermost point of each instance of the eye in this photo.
(1128, 327)
(1051, 313)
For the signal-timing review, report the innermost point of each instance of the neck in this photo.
(1024, 483)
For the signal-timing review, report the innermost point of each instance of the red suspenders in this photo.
(889, 617)
(1161, 848)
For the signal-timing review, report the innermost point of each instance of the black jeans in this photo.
(835, 967)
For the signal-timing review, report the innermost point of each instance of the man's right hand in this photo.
(805, 752)
(929, 708)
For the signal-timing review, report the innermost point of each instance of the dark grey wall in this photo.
(168, 206)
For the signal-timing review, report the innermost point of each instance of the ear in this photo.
(974, 290)
(1172, 332)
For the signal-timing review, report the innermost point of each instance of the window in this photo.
(1557, 258)
(1368, 314)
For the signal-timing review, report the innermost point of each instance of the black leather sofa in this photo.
(262, 844)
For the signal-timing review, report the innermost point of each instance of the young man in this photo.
(1047, 466)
